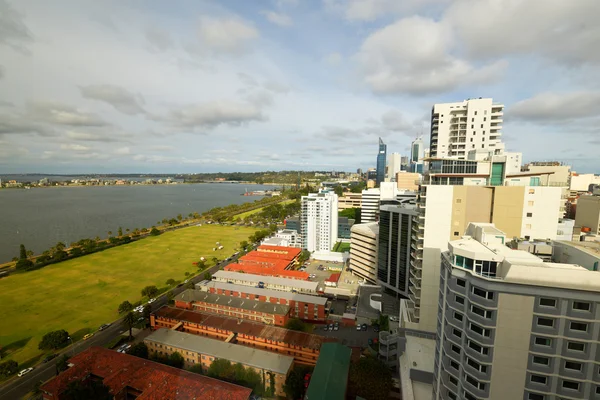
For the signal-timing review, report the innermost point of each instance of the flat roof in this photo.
(591, 248)
(369, 228)
(295, 338)
(330, 376)
(419, 354)
(253, 268)
(269, 292)
(192, 295)
(218, 349)
(272, 280)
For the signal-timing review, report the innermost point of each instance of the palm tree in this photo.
(129, 320)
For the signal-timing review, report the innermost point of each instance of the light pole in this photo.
(72, 346)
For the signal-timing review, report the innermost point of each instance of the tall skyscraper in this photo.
(319, 221)
(474, 124)
(393, 166)
(417, 150)
(381, 158)
(510, 326)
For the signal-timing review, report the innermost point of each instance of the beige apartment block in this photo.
(408, 180)
(588, 213)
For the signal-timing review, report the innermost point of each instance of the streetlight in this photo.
(72, 346)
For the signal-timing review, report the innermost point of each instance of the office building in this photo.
(393, 166)
(588, 213)
(319, 221)
(268, 282)
(373, 198)
(130, 377)
(417, 150)
(408, 181)
(344, 226)
(293, 223)
(349, 200)
(511, 326)
(197, 350)
(381, 159)
(459, 127)
(363, 251)
(394, 248)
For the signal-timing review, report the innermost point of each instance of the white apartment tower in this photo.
(319, 221)
(473, 124)
(393, 167)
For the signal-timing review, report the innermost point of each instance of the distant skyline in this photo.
(190, 86)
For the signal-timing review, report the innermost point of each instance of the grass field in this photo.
(341, 247)
(247, 213)
(79, 295)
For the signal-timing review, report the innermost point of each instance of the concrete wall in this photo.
(569, 254)
(543, 203)
(508, 210)
(469, 204)
(588, 212)
(582, 182)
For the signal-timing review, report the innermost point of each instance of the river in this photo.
(41, 217)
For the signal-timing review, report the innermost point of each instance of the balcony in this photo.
(415, 272)
(416, 283)
(416, 301)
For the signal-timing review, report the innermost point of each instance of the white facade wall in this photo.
(393, 166)
(319, 221)
(541, 212)
(363, 250)
(370, 205)
(565, 230)
(478, 121)
(581, 182)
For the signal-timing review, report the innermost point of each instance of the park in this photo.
(79, 295)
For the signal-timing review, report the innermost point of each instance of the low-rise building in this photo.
(349, 200)
(197, 350)
(303, 306)
(237, 307)
(130, 377)
(586, 254)
(304, 347)
(363, 251)
(267, 282)
(329, 380)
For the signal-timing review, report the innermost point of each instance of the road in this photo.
(17, 388)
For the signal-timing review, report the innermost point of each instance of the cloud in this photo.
(278, 18)
(121, 151)
(370, 10)
(413, 55)
(20, 124)
(6, 104)
(62, 114)
(1, 72)
(212, 114)
(333, 59)
(226, 35)
(13, 31)
(395, 121)
(158, 38)
(74, 147)
(90, 137)
(121, 99)
(551, 107)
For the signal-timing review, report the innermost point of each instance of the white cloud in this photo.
(227, 35)
(212, 114)
(74, 147)
(118, 97)
(278, 18)
(333, 59)
(158, 38)
(121, 151)
(90, 137)
(63, 114)
(13, 31)
(554, 107)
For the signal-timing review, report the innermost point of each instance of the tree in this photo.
(129, 320)
(54, 340)
(109, 233)
(243, 245)
(23, 263)
(90, 389)
(221, 368)
(154, 231)
(125, 306)
(8, 368)
(62, 364)
(190, 285)
(146, 311)
(304, 256)
(37, 390)
(176, 360)
(201, 264)
(295, 324)
(197, 369)
(370, 379)
(170, 296)
(179, 217)
(294, 383)
(150, 291)
(120, 232)
(139, 350)
(207, 276)
(170, 282)
(339, 191)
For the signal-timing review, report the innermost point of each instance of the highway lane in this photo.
(16, 388)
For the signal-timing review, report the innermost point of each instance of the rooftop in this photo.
(257, 269)
(284, 253)
(272, 280)
(419, 354)
(233, 352)
(330, 376)
(295, 338)
(305, 298)
(153, 380)
(370, 228)
(192, 295)
(592, 248)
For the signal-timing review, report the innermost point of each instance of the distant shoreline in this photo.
(142, 184)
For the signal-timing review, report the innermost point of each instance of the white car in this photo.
(25, 371)
(151, 300)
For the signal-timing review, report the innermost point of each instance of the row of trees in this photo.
(236, 373)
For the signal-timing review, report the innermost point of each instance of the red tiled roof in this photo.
(155, 381)
(267, 271)
(285, 253)
(263, 261)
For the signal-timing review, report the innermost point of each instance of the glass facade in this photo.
(453, 167)
(381, 157)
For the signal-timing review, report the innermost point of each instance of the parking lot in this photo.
(323, 270)
(349, 336)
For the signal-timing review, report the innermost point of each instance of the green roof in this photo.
(330, 377)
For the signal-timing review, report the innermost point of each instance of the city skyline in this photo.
(284, 85)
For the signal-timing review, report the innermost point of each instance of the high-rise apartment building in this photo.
(319, 221)
(369, 205)
(472, 124)
(393, 167)
(381, 159)
(363, 250)
(510, 326)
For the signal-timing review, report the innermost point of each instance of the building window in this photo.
(530, 203)
(542, 341)
(451, 395)
(529, 215)
(476, 365)
(483, 293)
(570, 385)
(579, 326)
(531, 191)
(541, 360)
(459, 299)
(481, 312)
(456, 349)
(535, 396)
(475, 383)
(457, 333)
(527, 226)
(581, 306)
(458, 316)
(576, 346)
(538, 379)
(478, 348)
(573, 365)
(453, 380)
(454, 364)
(545, 322)
(479, 330)
(469, 396)
(475, 112)
(460, 282)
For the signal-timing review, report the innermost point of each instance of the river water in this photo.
(41, 217)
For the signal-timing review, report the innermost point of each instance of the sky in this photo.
(188, 86)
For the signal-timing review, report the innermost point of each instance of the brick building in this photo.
(237, 307)
(270, 261)
(130, 377)
(304, 347)
(272, 367)
(303, 306)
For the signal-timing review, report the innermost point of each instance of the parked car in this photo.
(152, 300)
(358, 327)
(49, 357)
(25, 371)
(103, 327)
(89, 335)
(336, 326)
(330, 327)
(325, 328)
(375, 328)
(306, 380)
(363, 327)
(395, 319)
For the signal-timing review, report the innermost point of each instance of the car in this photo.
(89, 335)
(363, 327)
(49, 357)
(358, 327)
(103, 327)
(375, 328)
(325, 328)
(336, 327)
(25, 371)
(186, 281)
(330, 327)
(152, 300)
(395, 319)
(370, 342)
(124, 348)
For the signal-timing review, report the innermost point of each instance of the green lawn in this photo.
(341, 247)
(257, 210)
(79, 295)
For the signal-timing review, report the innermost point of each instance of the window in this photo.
(469, 396)
(483, 146)
(531, 191)
(484, 118)
(475, 383)
(529, 215)
(478, 348)
(479, 330)
(579, 326)
(527, 226)
(581, 306)
(457, 333)
(538, 379)
(460, 282)
(459, 299)
(573, 365)
(454, 364)
(542, 341)
(597, 389)
(535, 396)
(453, 380)
(570, 385)
(481, 312)
(483, 293)
(472, 127)
(545, 322)
(458, 316)
(451, 395)
(482, 126)
(456, 349)
(530, 203)
(471, 139)
(541, 360)
(475, 112)
(456, 233)
(576, 346)
(476, 365)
